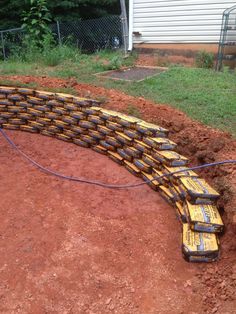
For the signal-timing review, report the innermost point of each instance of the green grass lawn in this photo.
(203, 94)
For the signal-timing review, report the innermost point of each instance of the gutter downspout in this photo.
(131, 21)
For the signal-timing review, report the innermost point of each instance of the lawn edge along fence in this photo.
(143, 148)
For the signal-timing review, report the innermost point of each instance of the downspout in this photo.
(131, 21)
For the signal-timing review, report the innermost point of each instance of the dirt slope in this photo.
(66, 247)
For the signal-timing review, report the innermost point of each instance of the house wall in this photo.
(177, 21)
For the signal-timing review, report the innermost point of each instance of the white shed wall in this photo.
(177, 21)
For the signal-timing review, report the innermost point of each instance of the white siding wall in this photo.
(178, 21)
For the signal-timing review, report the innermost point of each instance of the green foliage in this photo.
(202, 94)
(61, 10)
(35, 23)
(205, 59)
(59, 54)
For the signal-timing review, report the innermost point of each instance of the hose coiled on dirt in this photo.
(101, 184)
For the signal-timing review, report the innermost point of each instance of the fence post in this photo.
(124, 24)
(58, 33)
(3, 47)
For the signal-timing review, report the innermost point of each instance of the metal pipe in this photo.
(131, 21)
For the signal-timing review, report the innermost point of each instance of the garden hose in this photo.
(101, 184)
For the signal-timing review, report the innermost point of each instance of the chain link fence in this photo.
(88, 35)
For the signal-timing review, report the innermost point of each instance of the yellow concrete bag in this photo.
(124, 139)
(132, 151)
(199, 244)
(140, 145)
(175, 177)
(204, 218)
(160, 143)
(151, 161)
(149, 128)
(127, 121)
(198, 190)
(124, 155)
(169, 158)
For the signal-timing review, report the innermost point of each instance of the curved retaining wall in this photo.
(143, 148)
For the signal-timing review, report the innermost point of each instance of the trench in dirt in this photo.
(119, 251)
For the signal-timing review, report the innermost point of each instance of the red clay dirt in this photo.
(72, 248)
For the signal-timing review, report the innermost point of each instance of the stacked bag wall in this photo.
(142, 148)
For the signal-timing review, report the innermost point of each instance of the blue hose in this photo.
(101, 184)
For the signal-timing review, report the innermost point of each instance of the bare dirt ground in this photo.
(148, 59)
(72, 248)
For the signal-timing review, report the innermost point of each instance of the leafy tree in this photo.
(63, 10)
(35, 22)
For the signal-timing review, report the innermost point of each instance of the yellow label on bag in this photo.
(160, 143)
(152, 127)
(199, 243)
(170, 158)
(185, 172)
(204, 217)
(197, 187)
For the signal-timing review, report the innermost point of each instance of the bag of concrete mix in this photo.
(127, 121)
(198, 191)
(151, 161)
(169, 158)
(160, 143)
(185, 172)
(204, 218)
(143, 147)
(132, 151)
(199, 246)
(147, 128)
(124, 139)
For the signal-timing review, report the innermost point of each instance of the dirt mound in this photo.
(130, 264)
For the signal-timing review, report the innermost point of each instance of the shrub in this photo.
(205, 59)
